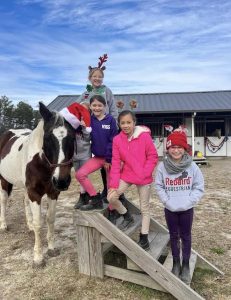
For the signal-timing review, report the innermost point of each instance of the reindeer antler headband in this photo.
(102, 60)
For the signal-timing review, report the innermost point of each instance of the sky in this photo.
(153, 46)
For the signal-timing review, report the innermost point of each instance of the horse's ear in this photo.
(44, 111)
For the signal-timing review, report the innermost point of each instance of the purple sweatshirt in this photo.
(103, 132)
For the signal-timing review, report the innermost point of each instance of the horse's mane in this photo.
(36, 136)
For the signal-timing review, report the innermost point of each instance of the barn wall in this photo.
(199, 145)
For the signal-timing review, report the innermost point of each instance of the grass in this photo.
(218, 250)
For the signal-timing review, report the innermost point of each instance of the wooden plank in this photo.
(95, 253)
(130, 264)
(157, 245)
(134, 277)
(79, 215)
(205, 264)
(143, 259)
(79, 220)
(130, 230)
(192, 264)
(168, 262)
(133, 228)
(83, 250)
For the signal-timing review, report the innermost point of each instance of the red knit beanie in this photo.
(177, 138)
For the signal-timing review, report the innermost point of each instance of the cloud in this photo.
(153, 46)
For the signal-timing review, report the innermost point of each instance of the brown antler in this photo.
(102, 59)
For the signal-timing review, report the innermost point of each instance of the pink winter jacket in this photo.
(133, 160)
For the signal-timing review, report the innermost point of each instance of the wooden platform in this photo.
(96, 235)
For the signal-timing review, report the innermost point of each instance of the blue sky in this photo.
(153, 46)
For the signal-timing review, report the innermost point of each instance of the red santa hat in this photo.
(177, 138)
(75, 113)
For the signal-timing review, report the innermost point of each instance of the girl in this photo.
(180, 185)
(133, 161)
(81, 156)
(96, 76)
(103, 131)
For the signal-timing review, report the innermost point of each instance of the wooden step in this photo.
(143, 259)
(137, 223)
(192, 263)
(158, 242)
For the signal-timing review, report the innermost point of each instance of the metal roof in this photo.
(212, 101)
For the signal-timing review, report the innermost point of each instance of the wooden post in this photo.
(89, 247)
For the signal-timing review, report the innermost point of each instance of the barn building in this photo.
(206, 115)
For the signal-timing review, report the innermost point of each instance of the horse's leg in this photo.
(38, 250)
(29, 219)
(4, 197)
(50, 226)
(5, 190)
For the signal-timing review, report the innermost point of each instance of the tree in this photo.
(36, 119)
(6, 114)
(24, 116)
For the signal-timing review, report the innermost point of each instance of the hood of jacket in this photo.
(139, 129)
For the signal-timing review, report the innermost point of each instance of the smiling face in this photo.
(176, 153)
(127, 124)
(96, 78)
(97, 108)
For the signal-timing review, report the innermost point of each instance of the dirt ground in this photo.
(60, 278)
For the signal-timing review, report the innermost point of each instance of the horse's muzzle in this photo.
(61, 184)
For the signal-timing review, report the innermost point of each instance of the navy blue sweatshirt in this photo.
(103, 132)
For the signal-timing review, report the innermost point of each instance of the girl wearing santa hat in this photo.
(78, 115)
(179, 185)
(104, 129)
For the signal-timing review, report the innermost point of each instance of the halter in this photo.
(66, 163)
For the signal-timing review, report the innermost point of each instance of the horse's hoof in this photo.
(30, 227)
(53, 252)
(38, 265)
(3, 228)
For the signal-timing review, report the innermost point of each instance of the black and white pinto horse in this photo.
(40, 161)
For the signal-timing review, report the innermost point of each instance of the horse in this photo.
(39, 161)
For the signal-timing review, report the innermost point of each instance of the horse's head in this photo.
(58, 146)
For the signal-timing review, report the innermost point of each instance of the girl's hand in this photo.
(82, 123)
(112, 191)
(107, 166)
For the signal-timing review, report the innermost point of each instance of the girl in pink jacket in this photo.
(134, 158)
